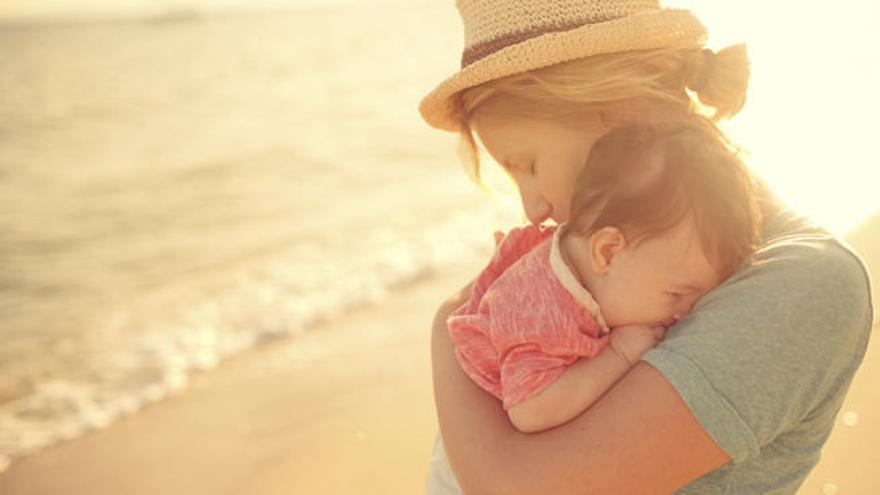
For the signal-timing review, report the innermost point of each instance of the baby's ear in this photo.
(605, 244)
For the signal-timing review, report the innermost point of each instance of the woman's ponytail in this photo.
(720, 80)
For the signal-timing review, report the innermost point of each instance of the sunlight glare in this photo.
(809, 119)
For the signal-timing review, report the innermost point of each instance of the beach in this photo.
(344, 408)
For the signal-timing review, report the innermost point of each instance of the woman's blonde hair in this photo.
(663, 85)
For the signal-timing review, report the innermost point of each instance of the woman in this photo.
(742, 394)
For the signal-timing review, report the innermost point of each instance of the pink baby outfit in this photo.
(527, 319)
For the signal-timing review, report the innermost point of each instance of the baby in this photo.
(659, 216)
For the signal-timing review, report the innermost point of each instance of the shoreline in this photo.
(346, 407)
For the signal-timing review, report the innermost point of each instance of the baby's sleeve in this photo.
(538, 330)
(527, 369)
(515, 244)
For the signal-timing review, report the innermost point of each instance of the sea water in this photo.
(174, 191)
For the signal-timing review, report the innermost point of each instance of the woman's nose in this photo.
(536, 206)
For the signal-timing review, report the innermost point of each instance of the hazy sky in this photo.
(812, 95)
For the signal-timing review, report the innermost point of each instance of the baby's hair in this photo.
(645, 179)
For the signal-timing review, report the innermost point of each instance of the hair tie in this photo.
(708, 67)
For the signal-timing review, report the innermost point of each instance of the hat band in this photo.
(482, 50)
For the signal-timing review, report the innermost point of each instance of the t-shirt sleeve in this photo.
(515, 244)
(772, 346)
(537, 327)
(528, 369)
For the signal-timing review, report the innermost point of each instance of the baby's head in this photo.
(659, 216)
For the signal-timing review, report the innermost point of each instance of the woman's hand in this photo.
(631, 341)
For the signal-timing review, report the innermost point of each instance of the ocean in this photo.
(177, 190)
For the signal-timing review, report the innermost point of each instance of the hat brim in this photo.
(662, 28)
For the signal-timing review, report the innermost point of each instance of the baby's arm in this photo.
(585, 381)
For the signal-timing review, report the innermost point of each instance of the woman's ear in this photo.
(605, 245)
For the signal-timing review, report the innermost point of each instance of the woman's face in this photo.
(544, 159)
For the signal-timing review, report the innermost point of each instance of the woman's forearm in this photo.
(472, 422)
(640, 437)
(573, 392)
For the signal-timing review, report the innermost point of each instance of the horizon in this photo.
(792, 134)
(40, 12)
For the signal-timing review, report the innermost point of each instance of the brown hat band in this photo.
(482, 50)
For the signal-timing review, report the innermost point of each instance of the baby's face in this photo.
(657, 281)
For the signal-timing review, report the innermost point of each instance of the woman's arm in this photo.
(640, 437)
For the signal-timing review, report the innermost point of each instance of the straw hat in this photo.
(505, 37)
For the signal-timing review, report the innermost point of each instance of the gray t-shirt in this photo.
(764, 360)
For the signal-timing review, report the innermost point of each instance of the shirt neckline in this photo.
(569, 281)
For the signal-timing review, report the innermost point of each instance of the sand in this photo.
(343, 408)
(346, 407)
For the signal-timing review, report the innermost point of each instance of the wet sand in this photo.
(346, 407)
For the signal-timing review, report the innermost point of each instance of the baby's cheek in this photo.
(613, 313)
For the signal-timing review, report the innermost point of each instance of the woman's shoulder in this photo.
(798, 258)
(790, 329)
(807, 262)
(797, 280)
(803, 283)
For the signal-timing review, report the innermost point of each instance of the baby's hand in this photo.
(631, 341)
